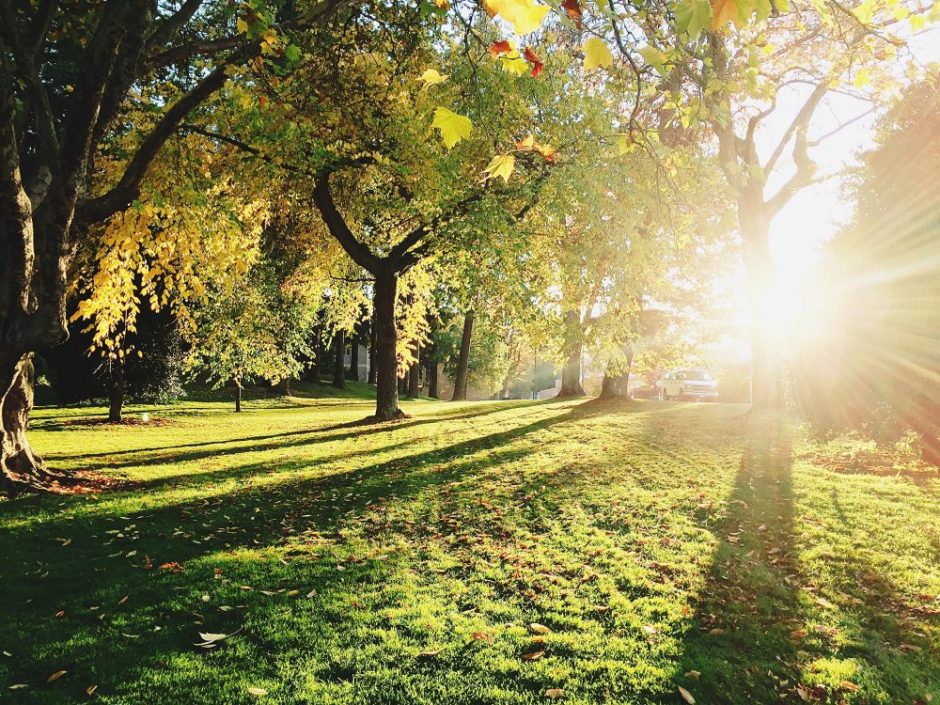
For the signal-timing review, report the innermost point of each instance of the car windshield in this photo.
(697, 375)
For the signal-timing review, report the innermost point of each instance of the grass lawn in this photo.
(505, 552)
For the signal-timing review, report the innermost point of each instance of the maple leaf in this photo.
(693, 16)
(572, 8)
(533, 58)
(653, 56)
(596, 54)
(500, 165)
(524, 15)
(501, 47)
(453, 127)
(431, 78)
(723, 12)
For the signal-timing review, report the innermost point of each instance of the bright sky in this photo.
(800, 231)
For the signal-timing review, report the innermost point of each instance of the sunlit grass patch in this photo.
(480, 552)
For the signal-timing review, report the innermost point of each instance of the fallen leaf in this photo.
(537, 628)
(694, 675)
(55, 676)
(90, 690)
(686, 695)
(555, 693)
(533, 656)
(257, 691)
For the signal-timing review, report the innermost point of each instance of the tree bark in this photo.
(339, 367)
(571, 372)
(463, 362)
(616, 382)
(352, 374)
(430, 361)
(238, 396)
(414, 373)
(386, 347)
(116, 390)
(20, 467)
(372, 328)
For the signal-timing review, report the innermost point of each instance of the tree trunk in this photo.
(463, 362)
(352, 374)
(430, 361)
(571, 372)
(372, 328)
(386, 347)
(339, 367)
(282, 387)
(766, 368)
(238, 396)
(414, 373)
(20, 467)
(616, 381)
(116, 390)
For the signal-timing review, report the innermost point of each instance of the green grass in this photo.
(658, 545)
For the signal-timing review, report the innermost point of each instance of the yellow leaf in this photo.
(624, 144)
(55, 676)
(500, 165)
(241, 26)
(431, 78)
(723, 12)
(524, 15)
(686, 695)
(257, 691)
(555, 693)
(596, 53)
(653, 56)
(453, 127)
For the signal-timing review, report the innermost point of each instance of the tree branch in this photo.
(799, 122)
(336, 224)
(128, 187)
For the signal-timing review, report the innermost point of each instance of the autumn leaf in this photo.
(431, 78)
(501, 47)
(572, 8)
(686, 696)
(723, 12)
(533, 656)
(533, 58)
(653, 56)
(55, 676)
(596, 54)
(500, 165)
(257, 691)
(524, 15)
(555, 693)
(90, 690)
(453, 127)
(537, 628)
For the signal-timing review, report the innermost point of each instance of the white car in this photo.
(688, 384)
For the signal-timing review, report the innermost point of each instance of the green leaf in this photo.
(693, 16)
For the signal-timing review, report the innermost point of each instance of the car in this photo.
(688, 384)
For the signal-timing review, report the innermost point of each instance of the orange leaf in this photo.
(499, 48)
(572, 8)
(55, 676)
(533, 58)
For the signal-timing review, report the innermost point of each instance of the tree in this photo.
(874, 366)
(249, 331)
(730, 66)
(67, 76)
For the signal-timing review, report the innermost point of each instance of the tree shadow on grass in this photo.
(250, 444)
(84, 562)
(742, 642)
